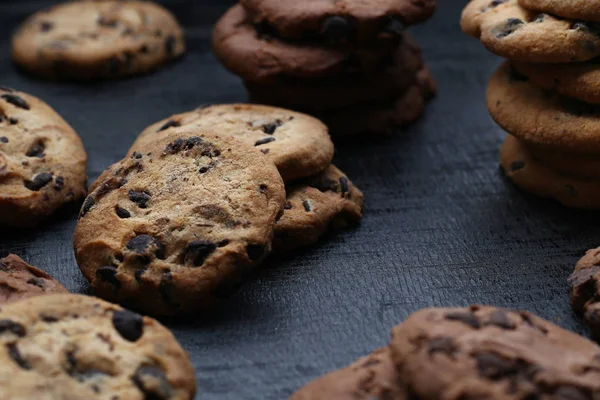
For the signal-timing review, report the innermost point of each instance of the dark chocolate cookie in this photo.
(93, 40)
(174, 229)
(82, 348)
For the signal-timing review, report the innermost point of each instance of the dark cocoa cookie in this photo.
(347, 90)
(327, 201)
(257, 56)
(339, 22)
(511, 31)
(42, 161)
(584, 10)
(174, 229)
(542, 117)
(585, 290)
(579, 81)
(79, 347)
(19, 280)
(95, 40)
(533, 177)
(370, 378)
(493, 353)
(298, 144)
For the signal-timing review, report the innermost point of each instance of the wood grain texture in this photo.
(442, 226)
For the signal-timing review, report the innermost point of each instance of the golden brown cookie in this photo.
(94, 40)
(42, 161)
(174, 229)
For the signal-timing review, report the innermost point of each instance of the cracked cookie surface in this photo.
(174, 229)
(42, 161)
(96, 40)
(79, 347)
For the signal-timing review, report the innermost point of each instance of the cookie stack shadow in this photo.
(546, 96)
(358, 75)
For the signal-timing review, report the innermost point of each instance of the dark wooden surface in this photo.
(442, 226)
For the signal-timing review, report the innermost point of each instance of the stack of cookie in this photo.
(347, 62)
(547, 95)
(200, 201)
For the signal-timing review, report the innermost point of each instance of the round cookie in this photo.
(511, 31)
(257, 56)
(585, 10)
(80, 347)
(298, 144)
(492, 353)
(339, 22)
(531, 176)
(369, 378)
(95, 40)
(579, 81)
(542, 117)
(327, 201)
(19, 280)
(346, 90)
(585, 290)
(175, 229)
(42, 161)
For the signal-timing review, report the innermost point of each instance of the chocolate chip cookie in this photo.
(257, 56)
(542, 117)
(172, 230)
(42, 161)
(580, 81)
(96, 40)
(346, 90)
(585, 290)
(582, 165)
(19, 280)
(79, 347)
(536, 178)
(585, 10)
(516, 33)
(327, 201)
(339, 22)
(492, 353)
(369, 378)
(298, 144)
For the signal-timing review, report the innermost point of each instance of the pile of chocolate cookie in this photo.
(351, 64)
(547, 95)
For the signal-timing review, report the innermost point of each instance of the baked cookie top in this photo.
(20, 280)
(538, 116)
(493, 353)
(298, 144)
(171, 230)
(585, 10)
(79, 347)
(516, 33)
(339, 22)
(42, 160)
(86, 40)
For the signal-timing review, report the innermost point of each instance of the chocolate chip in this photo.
(122, 213)
(138, 274)
(588, 27)
(344, 185)
(197, 252)
(500, 319)
(255, 251)
(36, 150)
(264, 141)
(13, 121)
(6, 325)
(467, 318)
(16, 101)
(144, 49)
(169, 124)
(507, 28)
(39, 181)
(46, 26)
(494, 4)
(59, 183)
(188, 144)
(442, 345)
(15, 354)
(152, 382)
(170, 44)
(39, 282)
(271, 127)
(87, 205)
(516, 76)
(517, 165)
(129, 324)
(540, 18)
(141, 198)
(108, 274)
(145, 244)
(529, 321)
(262, 188)
(3, 139)
(336, 30)
(203, 170)
(288, 205)
(394, 27)
(166, 289)
(102, 21)
(325, 185)
(492, 366)
(307, 206)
